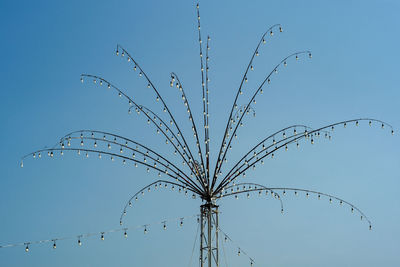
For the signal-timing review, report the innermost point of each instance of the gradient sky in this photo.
(46, 45)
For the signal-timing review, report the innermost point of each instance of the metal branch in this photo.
(283, 61)
(167, 129)
(105, 140)
(176, 175)
(207, 137)
(202, 86)
(226, 193)
(148, 187)
(151, 85)
(249, 66)
(139, 107)
(295, 138)
(179, 85)
(284, 130)
(308, 192)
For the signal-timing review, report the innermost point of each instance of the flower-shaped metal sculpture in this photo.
(196, 175)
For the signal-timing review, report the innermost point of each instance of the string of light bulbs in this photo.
(101, 234)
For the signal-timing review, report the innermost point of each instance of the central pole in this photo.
(209, 235)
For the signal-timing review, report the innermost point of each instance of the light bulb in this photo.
(54, 245)
(125, 234)
(27, 248)
(79, 242)
(102, 237)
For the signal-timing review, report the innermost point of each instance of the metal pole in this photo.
(202, 210)
(209, 240)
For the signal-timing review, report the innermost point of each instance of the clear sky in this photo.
(46, 45)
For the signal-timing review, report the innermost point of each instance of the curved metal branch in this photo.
(186, 103)
(283, 131)
(176, 175)
(131, 102)
(249, 66)
(141, 191)
(283, 61)
(151, 85)
(291, 139)
(104, 139)
(308, 192)
(250, 189)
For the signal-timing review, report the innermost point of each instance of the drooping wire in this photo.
(240, 250)
(194, 245)
(101, 234)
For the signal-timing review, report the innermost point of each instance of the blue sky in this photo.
(353, 73)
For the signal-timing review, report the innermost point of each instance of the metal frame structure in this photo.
(195, 175)
(209, 250)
